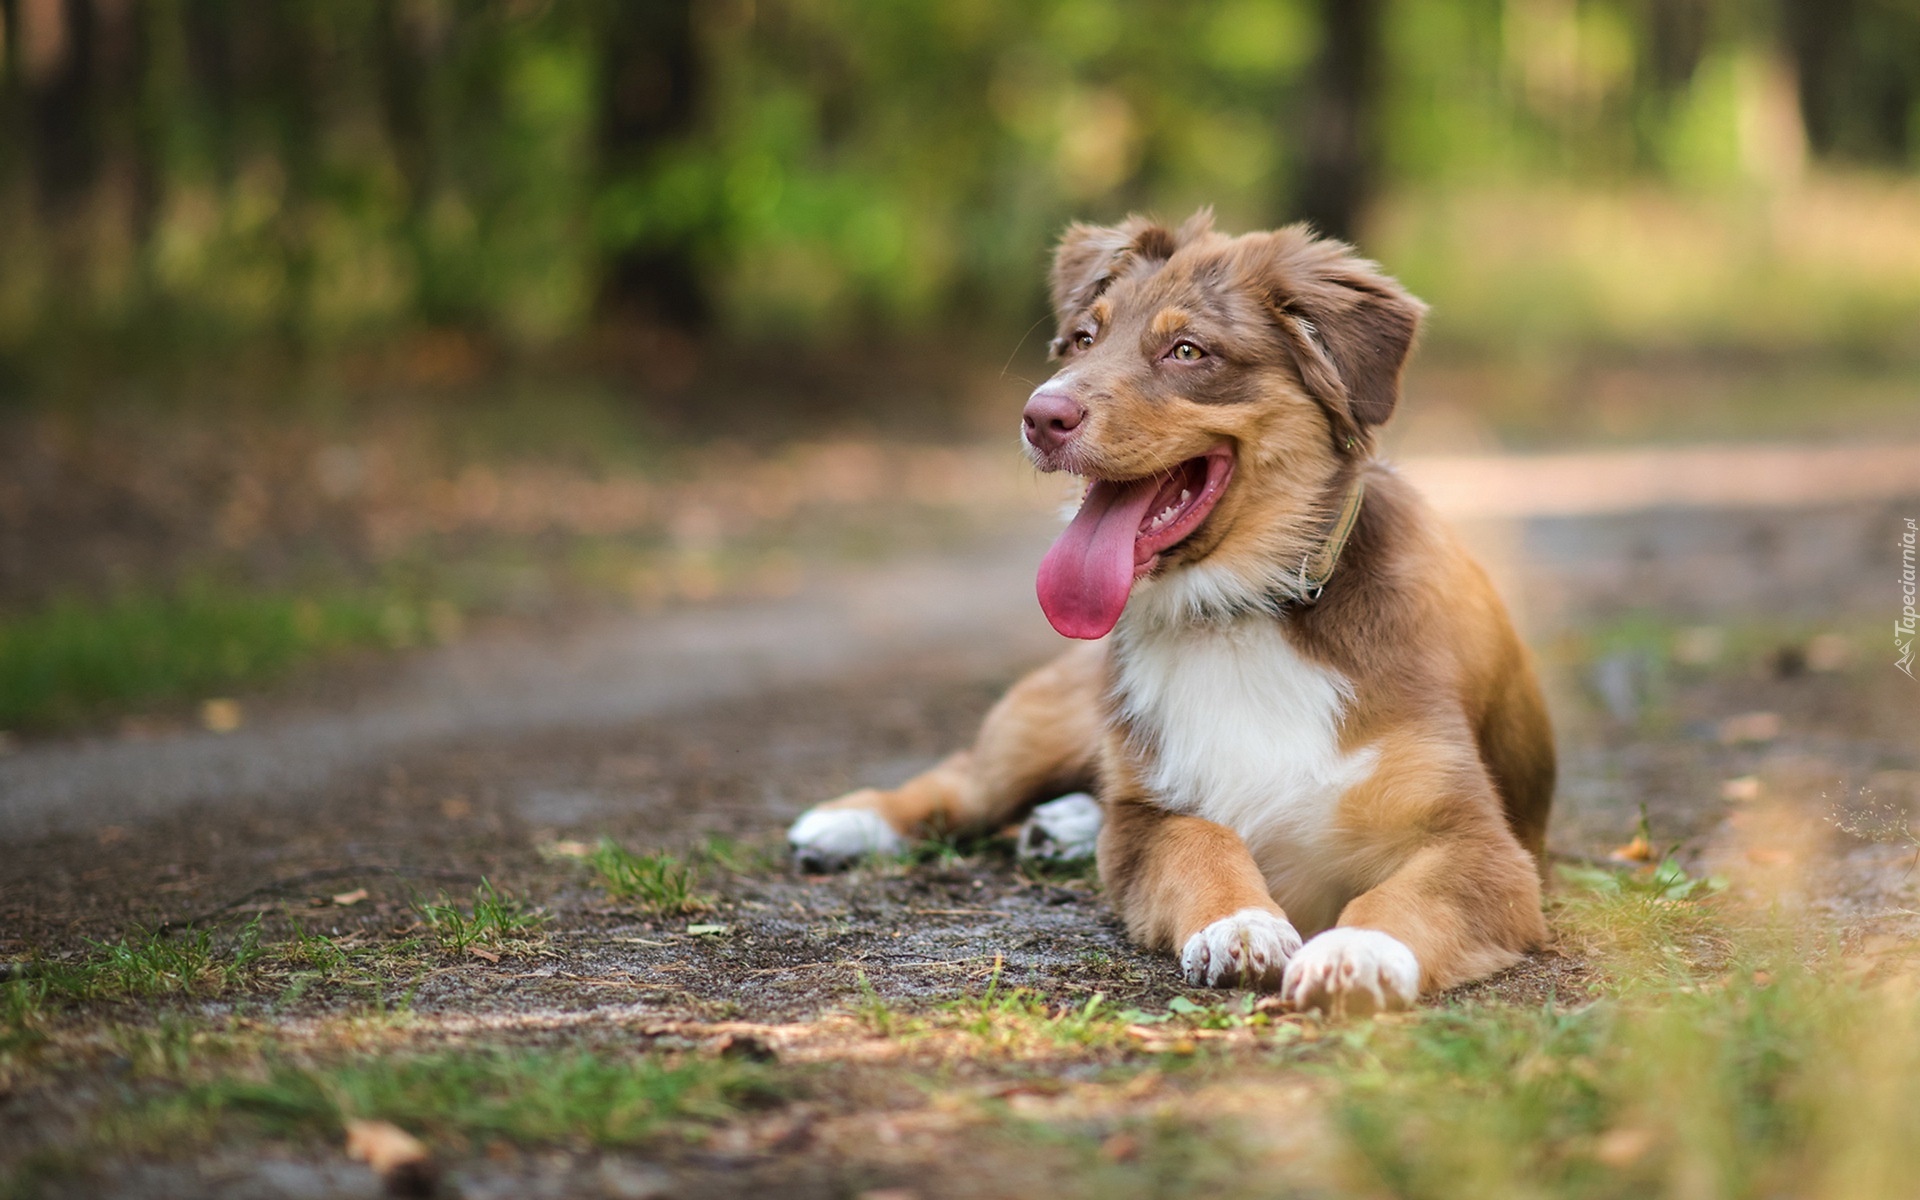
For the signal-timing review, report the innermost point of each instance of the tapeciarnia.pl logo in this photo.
(1903, 628)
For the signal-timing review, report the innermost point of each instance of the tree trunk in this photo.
(1337, 172)
(648, 96)
(58, 60)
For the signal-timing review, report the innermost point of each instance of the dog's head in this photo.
(1216, 392)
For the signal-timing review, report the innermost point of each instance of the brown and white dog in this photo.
(1313, 716)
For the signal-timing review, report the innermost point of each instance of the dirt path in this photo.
(611, 673)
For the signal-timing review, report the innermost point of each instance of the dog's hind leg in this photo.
(1040, 740)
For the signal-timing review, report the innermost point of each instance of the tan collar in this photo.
(1317, 570)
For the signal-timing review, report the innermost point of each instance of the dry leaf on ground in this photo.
(401, 1160)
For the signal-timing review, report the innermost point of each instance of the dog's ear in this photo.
(1349, 326)
(1091, 257)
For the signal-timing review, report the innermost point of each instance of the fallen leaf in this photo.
(746, 1047)
(1699, 646)
(1120, 1148)
(348, 899)
(1619, 1148)
(221, 716)
(1750, 727)
(1638, 850)
(1829, 652)
(483, 955)
(399, 1158)
(1142, 1085)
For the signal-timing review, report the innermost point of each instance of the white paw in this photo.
(826, 839)
(1248, 949)
(1352, 972)
(1063, 830)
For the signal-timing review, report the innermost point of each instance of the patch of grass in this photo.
(1641, 926)
(1236, 1011)
(1016, 1019)
(489, 920)
(23, 1019)
(1718, 1064)
(659, 883)
(1051, 870)
(315, 953)
(538, 1097)
(740, 858)
(174, 1047)
(1766, 1083)
(941, 849)
(880, 1017)
(144, 964)
(306, 960)
(75, 659)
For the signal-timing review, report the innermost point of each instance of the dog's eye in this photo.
(1083, 340)
(1188, 352)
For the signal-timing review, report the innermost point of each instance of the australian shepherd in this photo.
(1322, 759)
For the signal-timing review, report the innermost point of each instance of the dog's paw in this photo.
(827, 839)
(1063, 830)
(1249, 949)
(1352, 972)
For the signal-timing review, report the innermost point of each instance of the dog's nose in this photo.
(1050, 419)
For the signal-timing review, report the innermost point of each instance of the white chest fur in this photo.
(1245, 731)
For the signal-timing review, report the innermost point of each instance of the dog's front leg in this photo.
(1458, 909)
(1189, 885)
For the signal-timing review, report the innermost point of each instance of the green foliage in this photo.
(319, 172)
(1667, 880)
(659, 883)
(491, 919)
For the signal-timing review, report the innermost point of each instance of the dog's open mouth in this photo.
(1119, 534)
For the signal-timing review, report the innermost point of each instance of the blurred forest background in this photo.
(190, 177)
(357, 317)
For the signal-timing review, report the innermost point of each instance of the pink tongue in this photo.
(1085, 577)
